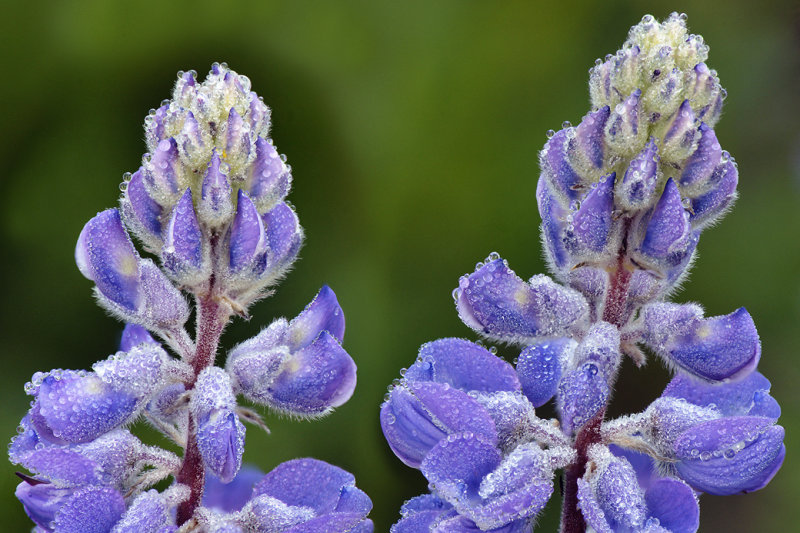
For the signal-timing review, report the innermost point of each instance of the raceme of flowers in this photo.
(623, 197)
(208, 203)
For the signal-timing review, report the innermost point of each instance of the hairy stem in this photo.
(212, 316)
(615, 311)
(192, 474)
(571, 517)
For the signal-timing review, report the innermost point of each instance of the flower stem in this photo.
(212, 316)
(571, 517)
(615, 311)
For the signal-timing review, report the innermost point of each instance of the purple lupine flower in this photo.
(624, 197)
(208, 202)
(281, 501)
(297, 367)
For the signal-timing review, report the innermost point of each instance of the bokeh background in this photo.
(413, 130)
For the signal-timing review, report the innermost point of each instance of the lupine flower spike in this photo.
(623, 197)
(209, 204)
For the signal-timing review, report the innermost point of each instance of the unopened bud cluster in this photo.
(208, 203)
(623, 198)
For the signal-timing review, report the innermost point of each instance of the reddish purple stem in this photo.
(212, 316)
(615, 312)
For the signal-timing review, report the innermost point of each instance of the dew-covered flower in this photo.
(208, 202)
(623, 197)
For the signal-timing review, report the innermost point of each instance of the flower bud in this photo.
(220, 434)
(215, 207)
(248, 240)
(298, 367)
(707, 209)
(141, 213)
(626, 130)
(269, 178)
(162, 175)
(128, 286)
(582, 393)
(667, 235)
(496, 303)
(637, 188)
(183, 255)
(713, 349)
(539, 368)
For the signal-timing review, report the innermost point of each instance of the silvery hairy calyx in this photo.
(208, 204)
(623, 197)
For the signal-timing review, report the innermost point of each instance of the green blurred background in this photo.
(413, 130)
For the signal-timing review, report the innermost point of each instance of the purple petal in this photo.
(589, 136)
(698, 168)
(92, 510)
(314, 379)
(284, 236)
(63, 466)
(183, 241)
(668, 233)
(424, 502)
(420, 522)
(524, 503)
(323, 314)
(750, 396)
(600, 345)
(133, 335)
(105, 255)
(638, 185)
(149, 513)
(643, 464)
(354, 500)
(496, 303)
(79, 407)
(220, 440)
(682, 131)
(539, 368)
(620, 496)
(269, 178)
(581, 394)
(674, 504)
(231, 497)
(710, 206)
(717, 348)
(215, 201)
(517, 489)
(42, 502)
(161, 174)
(730, 455)
(330, 523)
(137, 372)
(554, 217)
(556, 168)
(590, 508)
(592, 224)
(25, 441)
(140, 210)
(457, 465)
(212, 391)
(462, 524)
(464, 365)
(259, 114)
(289, 482)
(155, 126)
(192, 139)
(248, 240)
(419, 415)
(164, 306)
(623, 124)
(237, 141)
